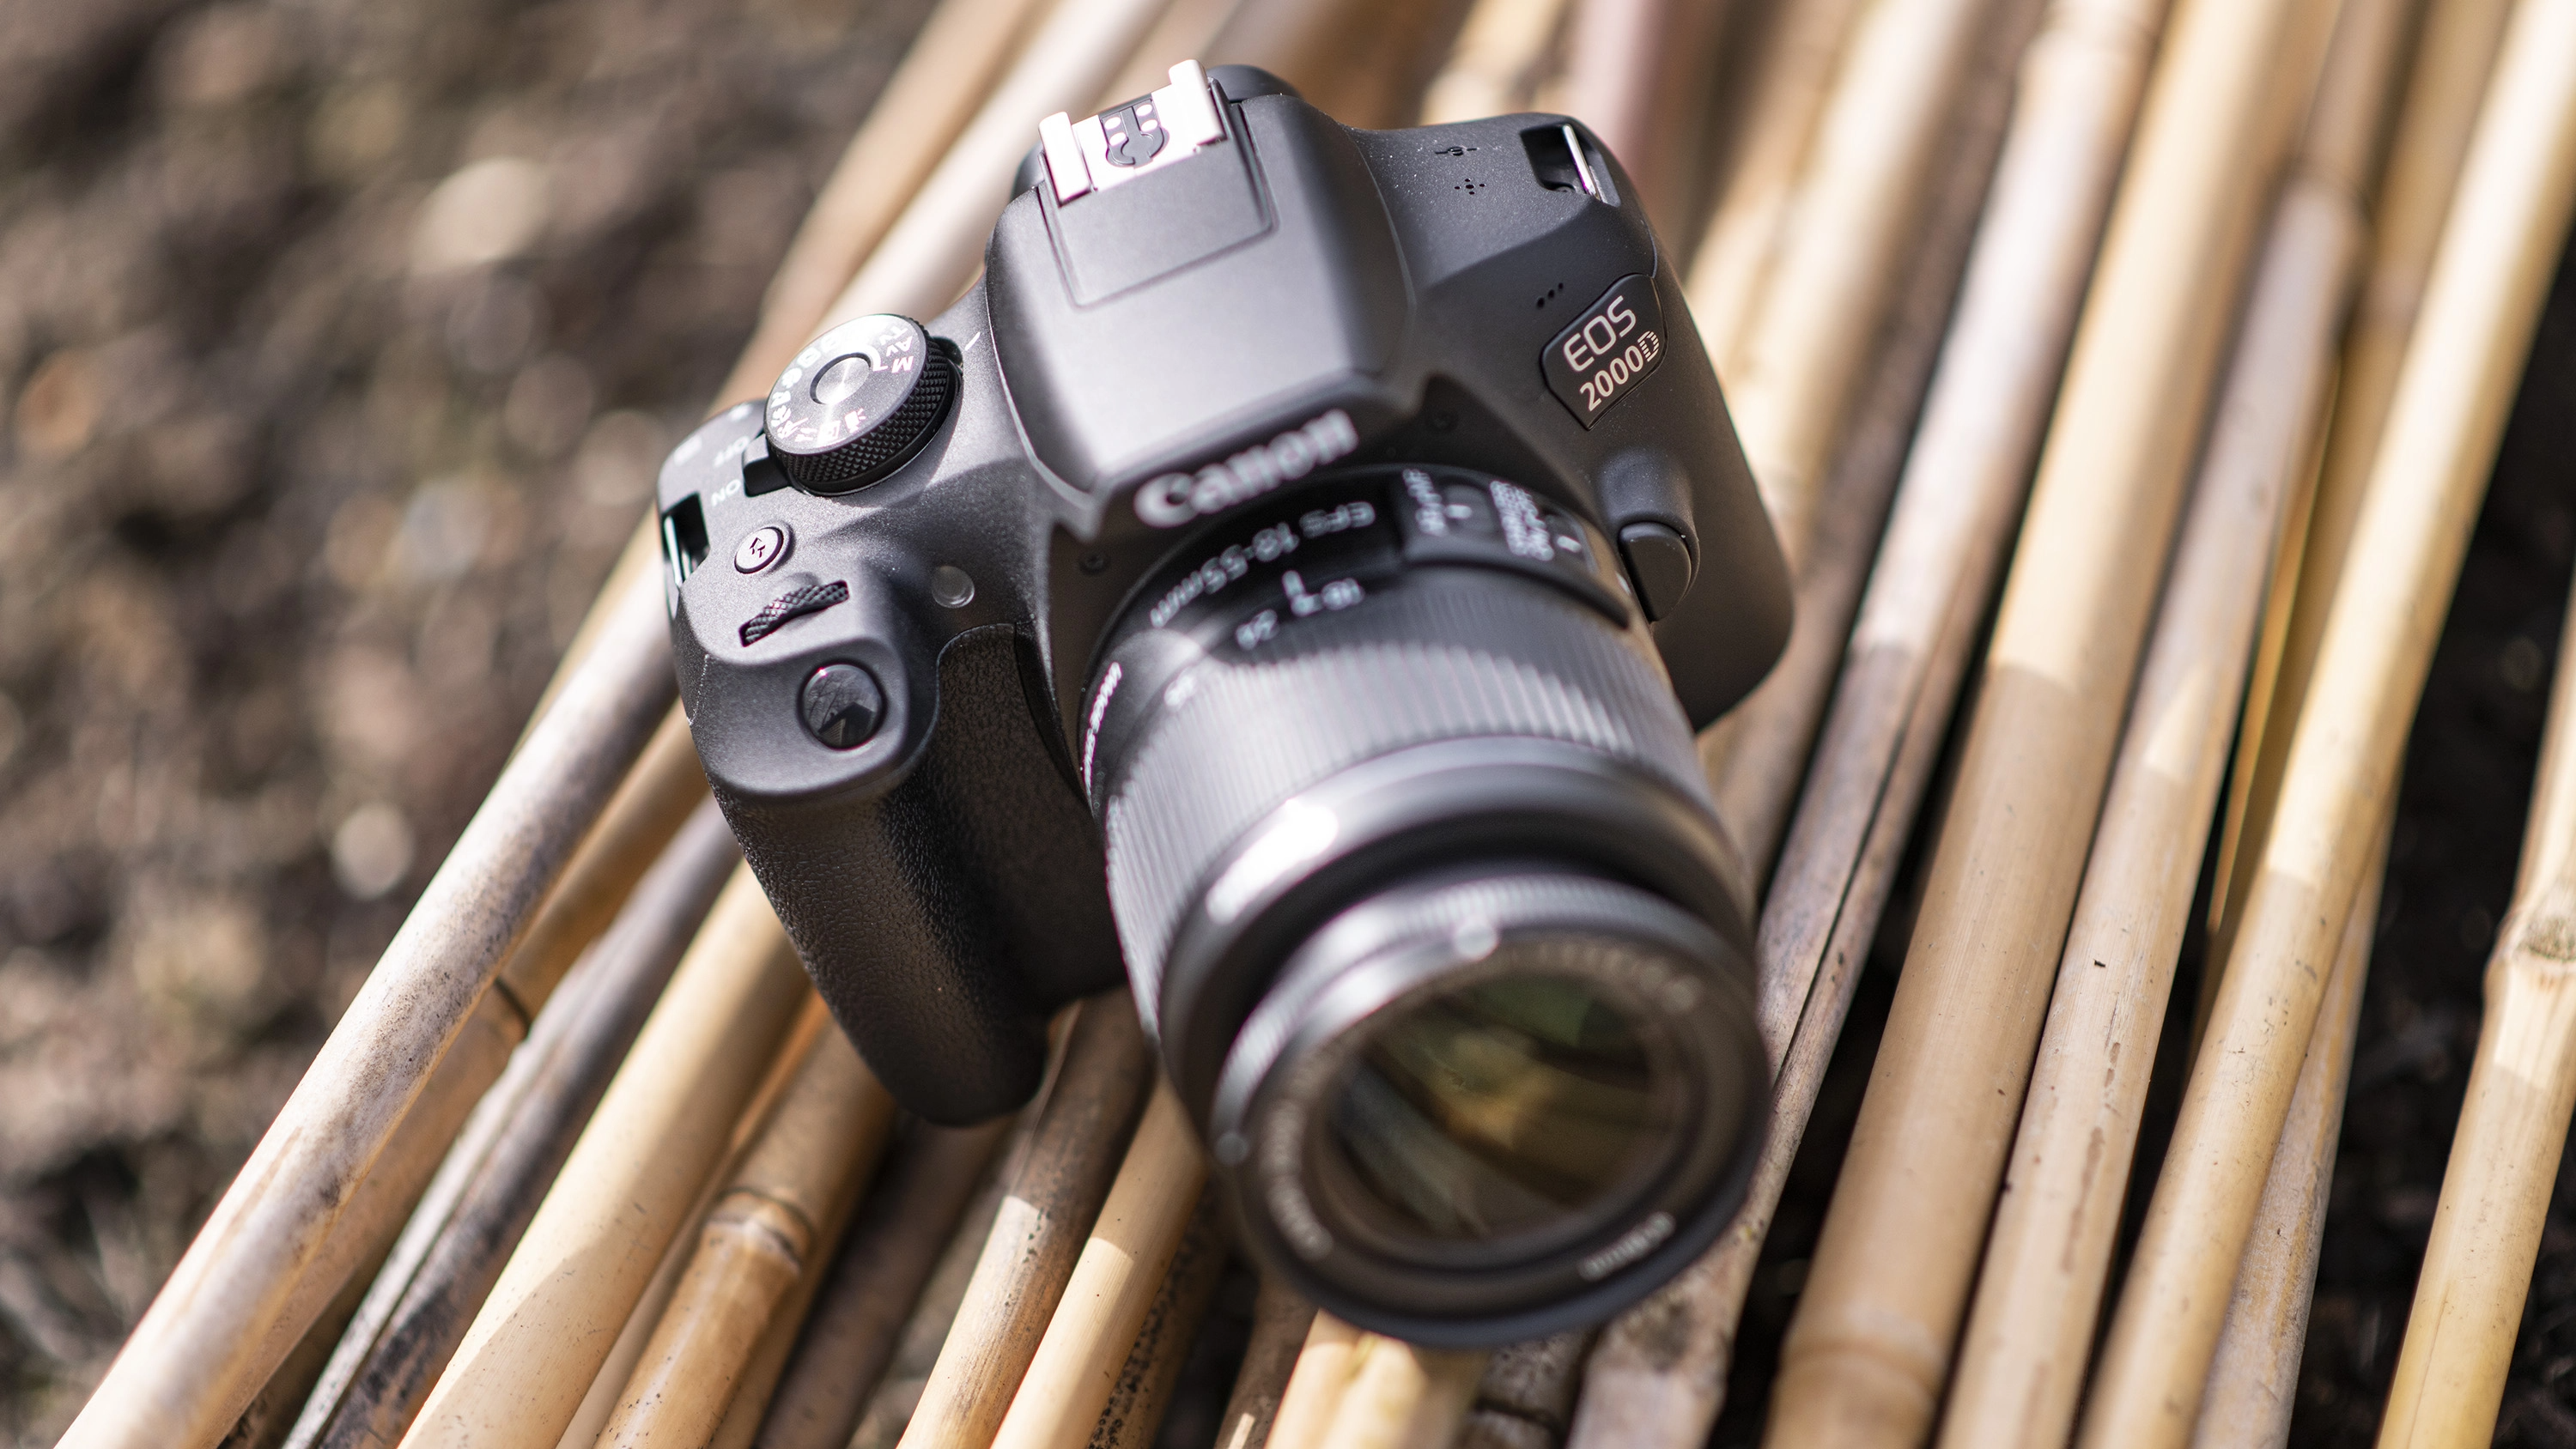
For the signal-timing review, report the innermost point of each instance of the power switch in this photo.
(1659, 563)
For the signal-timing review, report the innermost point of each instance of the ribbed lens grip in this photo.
(1450, 655)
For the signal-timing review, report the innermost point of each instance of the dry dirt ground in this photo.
(309, 472)
(338, 339)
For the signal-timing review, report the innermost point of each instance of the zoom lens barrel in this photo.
(1418, 881)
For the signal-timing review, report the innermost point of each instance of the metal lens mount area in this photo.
(857, 403)
(1492, 1105)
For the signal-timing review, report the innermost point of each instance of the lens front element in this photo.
(1492, 1103)
(1515, 1108)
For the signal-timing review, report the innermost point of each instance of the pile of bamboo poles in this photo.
(2146, 357)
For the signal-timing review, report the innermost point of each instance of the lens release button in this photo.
(842, 705)
(1659, 560)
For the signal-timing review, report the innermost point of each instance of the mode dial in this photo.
(858, 402)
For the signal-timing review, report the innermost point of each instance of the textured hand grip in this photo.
(945, 918)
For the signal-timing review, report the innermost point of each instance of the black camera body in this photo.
(1295, 523)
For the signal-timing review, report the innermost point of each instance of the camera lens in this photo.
(1416, 874)
(1502, 1110)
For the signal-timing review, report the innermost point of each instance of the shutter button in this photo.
(842, 705)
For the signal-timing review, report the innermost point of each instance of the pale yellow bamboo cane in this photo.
(624, 1193)
(1316, 1385)
(2513, 1127)
(1185, 32)
(1637, 73)
(1281, 1318)
(338, 1171)
(2453, 57)
(2488, 279)
(1038, 1235)
(1495, 66)
(889, 1255)
(1659, 1375)
(761, 1239)
(1113, 1286)
(930, 253)
(1362, 62)
(1853, 214)
(609, 1383)
(2021, 1361)
(1756, 756)
(1799, 52)
(2254, 1376)
(890, 1403)
(768, 1357)
(1404, 1397)
(952, 65)
(1142, 1394)
(300, 1216)
(1865, 1357)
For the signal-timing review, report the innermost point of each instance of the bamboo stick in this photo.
(278, 1415)
(1038, 1233)
(2453, 58)
(1526, 1397)
(658, 796)
(925, 1331)
(1321, 1376)
(528, 1359)
(1114, 1284)
(2513, 1127)
(273, 1255)
(1185, 32)
(1637, 72)
(1756, 756)
(931, 252)
(315, 1201)
(1658, 1376)
(1362, 62)
(2488, 278)
(2254, 1376)
(1404, 1397)
(422, 1302)
(1495, 67)
(608, 1385)
(2021, 1361)
(1864, 1358)
(767, 1362)
(952, 64)
(767, 1359)
(1281, 1318)
(758, 1241)
(1799, 53)
(886, 1261)
(1854, 210)
(1142, 1392)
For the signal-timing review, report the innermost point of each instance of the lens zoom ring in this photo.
(1456, 657)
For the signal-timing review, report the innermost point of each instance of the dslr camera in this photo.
(1288, 582)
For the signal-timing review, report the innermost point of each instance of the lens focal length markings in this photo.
(1240, 591)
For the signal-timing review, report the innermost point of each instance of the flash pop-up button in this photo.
(1124, 142)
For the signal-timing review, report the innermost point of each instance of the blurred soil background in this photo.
(339, 340)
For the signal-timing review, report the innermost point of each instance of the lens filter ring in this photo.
(1494, 1104)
